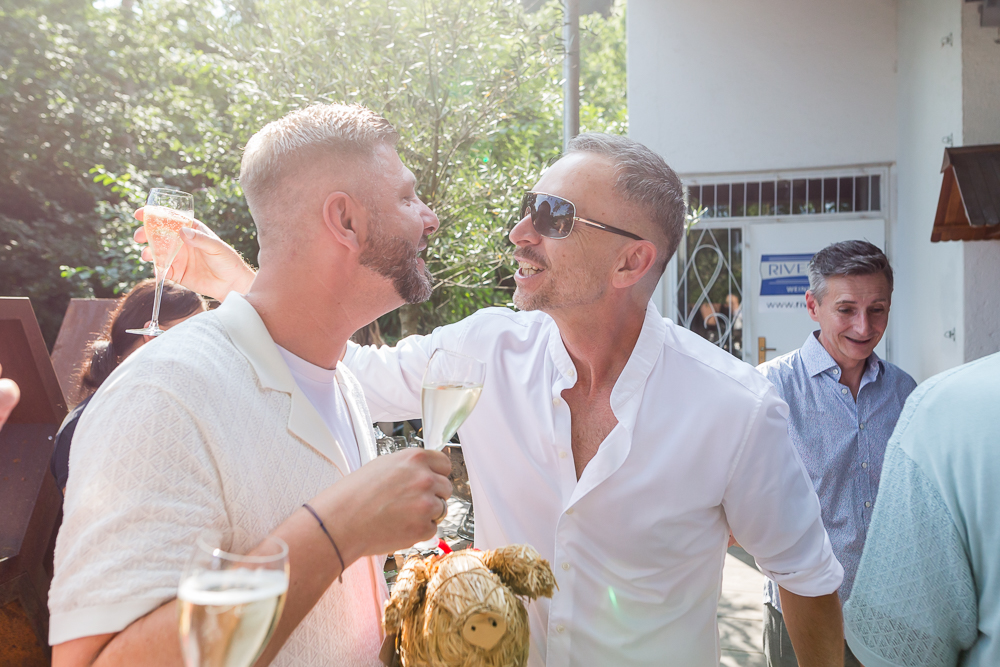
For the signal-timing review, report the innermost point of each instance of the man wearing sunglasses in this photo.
(623, 447)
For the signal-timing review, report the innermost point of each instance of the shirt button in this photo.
(560, 628)
(836, 371)
(562, 454)
(555, 401)
(867, 504)
(569, 511)
(844, 390)
(861, 426)
(865, 464)
(565, 566)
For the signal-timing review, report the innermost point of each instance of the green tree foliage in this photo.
(98, 105)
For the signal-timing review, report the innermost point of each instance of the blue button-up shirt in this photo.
(841, 441)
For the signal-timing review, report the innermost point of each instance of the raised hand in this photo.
(205, 264)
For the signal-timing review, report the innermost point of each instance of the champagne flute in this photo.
(450, 389)
(229, 604)
(167, 211)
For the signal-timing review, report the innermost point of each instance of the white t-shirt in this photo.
(321, 388)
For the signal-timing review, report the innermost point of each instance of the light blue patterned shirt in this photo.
(928, 590)
(841, 442)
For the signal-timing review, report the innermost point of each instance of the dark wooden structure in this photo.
(84, 321)
(969, 205)
(30, 503)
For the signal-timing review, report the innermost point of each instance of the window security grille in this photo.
(801, 196)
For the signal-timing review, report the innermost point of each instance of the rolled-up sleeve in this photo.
(773, 510)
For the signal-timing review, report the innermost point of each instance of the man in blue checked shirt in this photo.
(843, 405)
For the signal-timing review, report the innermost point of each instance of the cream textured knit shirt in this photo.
(204, 428)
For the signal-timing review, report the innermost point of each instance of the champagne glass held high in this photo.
(228, 605)
(167, 211)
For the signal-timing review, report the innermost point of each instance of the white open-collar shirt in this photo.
(637, 544)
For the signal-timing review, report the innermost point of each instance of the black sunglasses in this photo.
(553, 216)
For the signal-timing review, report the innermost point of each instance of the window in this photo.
(795, 197)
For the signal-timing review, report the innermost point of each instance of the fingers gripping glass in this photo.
(553, 217)
(167, 211)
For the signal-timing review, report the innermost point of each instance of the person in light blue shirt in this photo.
(843, 405)
(927, 593)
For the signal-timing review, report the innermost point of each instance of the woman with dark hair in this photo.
(176, 305)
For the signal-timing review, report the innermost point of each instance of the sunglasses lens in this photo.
(551, 216)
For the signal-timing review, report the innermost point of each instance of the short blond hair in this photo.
(322, 130)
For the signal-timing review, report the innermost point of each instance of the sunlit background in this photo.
(101, 101)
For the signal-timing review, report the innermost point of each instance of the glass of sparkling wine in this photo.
(451, 387)
(229, 604)
(166, 212)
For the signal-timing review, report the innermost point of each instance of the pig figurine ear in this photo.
(407, 595)
(522, 570)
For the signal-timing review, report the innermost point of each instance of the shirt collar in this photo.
(640, 363)
(647, 350)
(817, 360)
(252, 339)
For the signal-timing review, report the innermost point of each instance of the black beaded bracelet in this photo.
(326, 532)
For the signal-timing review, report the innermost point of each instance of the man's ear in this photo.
(343, 216)
(812, 305)
(637, 260)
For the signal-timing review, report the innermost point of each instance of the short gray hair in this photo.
(847, 258)
(644, 180)
(284, 145)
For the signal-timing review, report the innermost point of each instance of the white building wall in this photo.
(981, 125)
(727, 86)
(722, 87)
(927, 308)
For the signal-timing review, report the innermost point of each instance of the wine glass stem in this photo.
(160, 277)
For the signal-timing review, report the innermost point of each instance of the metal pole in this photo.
(571, 71)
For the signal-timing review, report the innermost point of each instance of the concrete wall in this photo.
(727, 86)
(981, 125)
(927, 308)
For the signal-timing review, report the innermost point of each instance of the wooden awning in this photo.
(969, 206)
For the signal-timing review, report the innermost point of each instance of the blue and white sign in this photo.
(784, 280)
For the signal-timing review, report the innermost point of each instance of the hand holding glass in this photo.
(228, 605)
(167, 211)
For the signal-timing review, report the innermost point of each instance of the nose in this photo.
(863, 324)
(524, 232)
(431, 222)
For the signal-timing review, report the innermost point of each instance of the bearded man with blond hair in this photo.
(234, 419)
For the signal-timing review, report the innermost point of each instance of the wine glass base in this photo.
(148, 331)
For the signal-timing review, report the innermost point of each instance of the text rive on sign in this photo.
(784, 280)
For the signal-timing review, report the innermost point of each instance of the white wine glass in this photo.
(450, 390)
(167, 211)
(229, 604)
